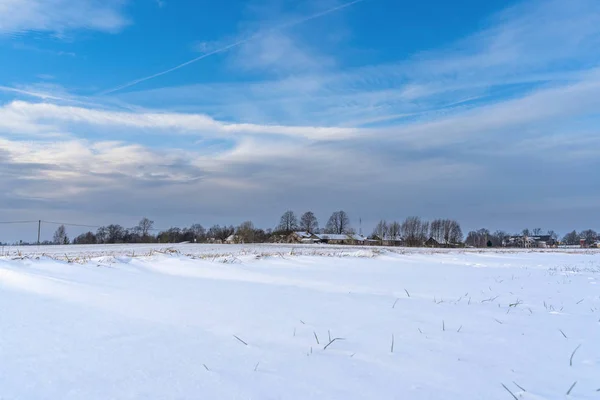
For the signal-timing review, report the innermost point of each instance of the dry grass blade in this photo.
(519, 386)
(316, 337)
(331, 342)
(392, 349)
(240, 340)
(573, 355)
(256, 367)
(580, 301)
(408, 294)
(490, 299)
(459, 329)
(396, 302)
(206, 367)
(511, 393)
(563, 333)
(571, 388)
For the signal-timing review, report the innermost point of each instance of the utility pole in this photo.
(39, 230)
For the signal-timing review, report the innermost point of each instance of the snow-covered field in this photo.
(261, 322)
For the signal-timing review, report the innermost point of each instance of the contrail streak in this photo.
(232, 45)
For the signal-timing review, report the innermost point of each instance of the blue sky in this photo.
(482, 111)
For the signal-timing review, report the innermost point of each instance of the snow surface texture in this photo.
(259, 322)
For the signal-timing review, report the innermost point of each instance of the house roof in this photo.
(332, 236)
(533, 238)
(389, 238)
(303, 235)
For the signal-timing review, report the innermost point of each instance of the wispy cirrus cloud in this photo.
(60, 16)
(523, 48)
(241, 41)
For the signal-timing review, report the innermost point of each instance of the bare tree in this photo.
(245, 232)
(85, 238)
(537, 231)
(199, 232)
(415, 231)
(115, 233)
(445, 231)
(395, 232)
(526, 232)
(288, 222)
(60, 236)
(455, 234)
(479, 238)
(382, 231)
(571, 238)
(436, 230)
(499, 238)
(309, 223)
(338, 223)
(144, 227)
(102, 235)
(221, 233)
(589, 236)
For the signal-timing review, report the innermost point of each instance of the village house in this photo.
(349, 238)
(303, 237)
(387, 240)
(431, 242)
(594, 245)
(538, 241)
(233, 239)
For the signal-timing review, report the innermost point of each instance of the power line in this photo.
(18, 222)
(90, 226)
(68, 224)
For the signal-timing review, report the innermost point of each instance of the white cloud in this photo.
(533, 44)
(281, 54)
(60, 16)
(20, 116)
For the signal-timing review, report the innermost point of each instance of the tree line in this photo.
(484, 238)
(412, 231)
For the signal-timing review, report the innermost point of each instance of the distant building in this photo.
(431, 242)
(232, 239)
(344, 238)
(303, 237)
(387, 240)
(522, 241)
